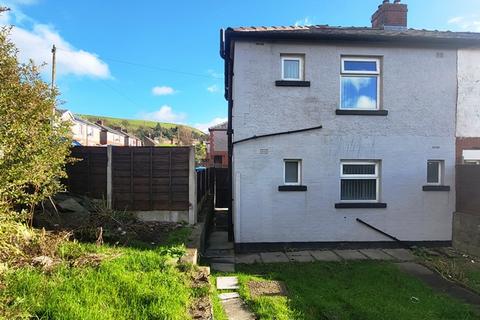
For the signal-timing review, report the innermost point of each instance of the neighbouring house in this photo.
(335, 131)
(468, 106)
(217, 146)
(110, 136)
(148, 142)
(129, 139)
(84, 133)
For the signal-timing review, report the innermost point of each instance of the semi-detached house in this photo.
(332, 126)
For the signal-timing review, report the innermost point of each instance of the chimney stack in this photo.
(390, 16)
(100, 122)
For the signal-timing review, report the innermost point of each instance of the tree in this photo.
(200, 152)
(184, 136)
(34, 142)
(157, 131)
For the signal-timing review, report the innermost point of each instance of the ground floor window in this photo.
(434, 172)
(292, 171)
(359, 181)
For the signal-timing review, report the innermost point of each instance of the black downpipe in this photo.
(225, 53)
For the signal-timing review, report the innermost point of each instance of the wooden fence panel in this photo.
(143, 178)
(88, 176)
(468, 188)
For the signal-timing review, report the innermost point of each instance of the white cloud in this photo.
(303, 22)
(358, 82)
(213, 88)
(204, 126)
(164, 114)
(467, 23)
(34, 41)
(162, 90)
(365, 102)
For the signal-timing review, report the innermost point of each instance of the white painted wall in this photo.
(418, 90)
(468, 114)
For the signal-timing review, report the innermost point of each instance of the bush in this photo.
(34, 143)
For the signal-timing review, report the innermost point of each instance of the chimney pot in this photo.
(397, 1)
(100, 122)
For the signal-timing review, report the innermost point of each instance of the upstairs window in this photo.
(292, 68)
(292, 172)
(360, 83)
(359, 181)
(434, 172)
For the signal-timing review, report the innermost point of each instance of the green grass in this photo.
(134, 124)
(137, 284)
(354, 290)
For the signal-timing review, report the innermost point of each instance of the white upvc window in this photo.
(292, 67)
(360, 79)
(435, 172)
(292, 172)
(359, 181)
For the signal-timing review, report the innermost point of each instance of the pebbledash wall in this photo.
(418, 90)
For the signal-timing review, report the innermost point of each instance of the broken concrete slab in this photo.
(376, 254)
(325, 255)
(227, 283)
(300, 256)
(273, 257)
(222, 267)
(400, 254)
(350, 254)
(228, 295)
(71, 204)
(247, 258)
(236, 309)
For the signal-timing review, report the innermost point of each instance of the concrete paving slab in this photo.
(218, 240)
(248, 258)
(228, 295)
(300, 256)
(350, 254)
(227, 283)
(236, 309)
(325, 255)
(400, 254)
(376, 254)
(209, 253)
(273, 257)
(221, 260)
(223, 267)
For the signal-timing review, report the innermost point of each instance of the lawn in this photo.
(353, 290)
(130, 283)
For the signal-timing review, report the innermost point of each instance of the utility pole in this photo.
(54, 51)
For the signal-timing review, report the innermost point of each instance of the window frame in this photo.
(366, 74)
(375, 176)
(441, 163)
(299, 172)
(300, 60)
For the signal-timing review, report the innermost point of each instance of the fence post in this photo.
(109, 177)
(192, 188)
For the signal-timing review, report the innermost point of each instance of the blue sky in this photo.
(159, 60)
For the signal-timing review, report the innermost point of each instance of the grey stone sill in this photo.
(360, 205)
(292, 188)
(292, 83)
(436, 188)
(345, 112)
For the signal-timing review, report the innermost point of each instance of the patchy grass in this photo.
(353, 290)
(218, 312)
(453, 265)
(135, 283)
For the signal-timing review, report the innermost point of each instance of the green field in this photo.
(133, 125)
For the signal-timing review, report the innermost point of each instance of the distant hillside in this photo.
(177, 133)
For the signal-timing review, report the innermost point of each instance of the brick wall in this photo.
(463, 144)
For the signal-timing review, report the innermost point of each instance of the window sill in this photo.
(360, 205)
(345, 112)
(436, 188)
(292, 83)
(292, 188)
